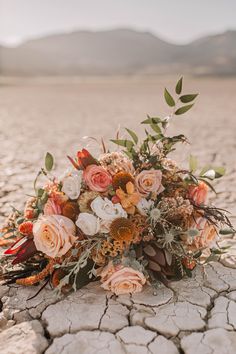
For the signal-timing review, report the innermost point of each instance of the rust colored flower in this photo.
(122, 229)
(70, 210)
(121, 179)
(189, 263)
(84, 159)
(198, 194)
(26, 228)
(128, 199)
(29, 214)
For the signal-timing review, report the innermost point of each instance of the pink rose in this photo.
(198, 193)
(51, 207)
(149, 181)
(97, 178)
(122, 280)
(54, 235)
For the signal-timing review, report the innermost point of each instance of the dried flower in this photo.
(121, 179)
(85, 201)
(122, 229)
(70, 210)
(115, 162)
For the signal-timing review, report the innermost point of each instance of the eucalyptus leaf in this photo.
(156, 128)
(152, 120)
(183, 109)
(219, 171)
(178, 88)
(188, 98)
(125, 143)
(169, 99)
(133, 135)
(49, 161)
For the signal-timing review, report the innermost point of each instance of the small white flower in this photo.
(71, 184)
(144, 206)
(88, 224)
(106, 210)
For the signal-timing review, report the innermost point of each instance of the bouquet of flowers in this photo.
(128, 217)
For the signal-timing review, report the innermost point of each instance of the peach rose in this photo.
(149, 181)
(207, 234)
(54, 235)
(122, 280)
(51, 207)
(97, 178)
(198, 193)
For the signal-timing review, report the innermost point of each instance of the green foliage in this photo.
(169, 99)
(183, 109)
(133, 135)
(49, 161)
(188, 98)
(178, 87)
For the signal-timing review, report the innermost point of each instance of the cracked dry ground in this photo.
(195, 315)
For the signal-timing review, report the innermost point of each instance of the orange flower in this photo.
(26, 228)
(121, 179)
(128, 199)
(122, 229)
(70, 210)
(189, 263)
(198, 193)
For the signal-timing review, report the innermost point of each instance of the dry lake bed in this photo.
(192, 316)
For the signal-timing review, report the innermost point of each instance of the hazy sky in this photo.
(175, 20)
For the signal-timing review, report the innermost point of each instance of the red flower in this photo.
(84, 159)
(26, 228)
(22, 249)
(29, 214)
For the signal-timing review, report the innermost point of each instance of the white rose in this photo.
(54, 235)
(71, 184)
(144, 205)
(88, 224)
(106, 210)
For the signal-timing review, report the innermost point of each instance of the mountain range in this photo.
(120, 51)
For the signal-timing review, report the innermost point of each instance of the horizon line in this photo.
(16, 42)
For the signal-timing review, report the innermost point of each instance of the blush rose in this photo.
(54, 235)
(149, 182)
(122, 280)
(97, 178)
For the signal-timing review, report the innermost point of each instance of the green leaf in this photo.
(133, 135)
(183, 109)
(125, 143)
(188, 98)
(227, 232)
(156, 128)
(193, 163)
(178, 88)
(152, 120)
(169, 99)
(220, 171)
(49, 161)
